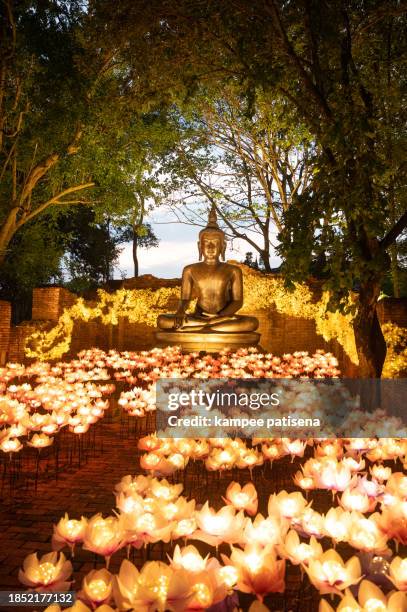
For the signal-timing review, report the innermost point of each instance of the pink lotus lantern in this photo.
(103, 536)
(242, 498)
(68, 531)
(380, 473)
(11, 445)
(265, 531)
(365, 535)
(337, 524)
(329, 574)
(97, 587)
(398, 573)
(299, 552)
(217, 527)
(370, 599)
(259, 571)
(286, 505)
(49, 573)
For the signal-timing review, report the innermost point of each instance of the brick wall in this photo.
(393, 310)
(5, 326)
(49, 303)
(279, 333)
(18, 335)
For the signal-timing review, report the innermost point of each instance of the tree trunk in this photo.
(135, 257)
(7, 231)
(395, 277)
(370, 343)
(265, 256)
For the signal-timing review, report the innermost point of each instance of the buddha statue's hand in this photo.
(180, 319)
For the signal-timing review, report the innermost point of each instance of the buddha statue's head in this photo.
(212, 240)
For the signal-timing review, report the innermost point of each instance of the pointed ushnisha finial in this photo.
(212, 219)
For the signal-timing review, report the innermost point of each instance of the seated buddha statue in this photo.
(218, 287)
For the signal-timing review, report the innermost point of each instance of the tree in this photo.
(26, 267)
(249, 261)
(68, 120)
(92, 248)
(330, 62)
(37, 75)
(250, 168)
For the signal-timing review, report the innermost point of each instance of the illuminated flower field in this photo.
(340, 526)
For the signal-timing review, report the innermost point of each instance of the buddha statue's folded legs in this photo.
(194, 323)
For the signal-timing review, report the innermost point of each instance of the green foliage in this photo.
(338, 67)
(92, 249)
(26, 267)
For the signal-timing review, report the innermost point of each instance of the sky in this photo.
(177, 248)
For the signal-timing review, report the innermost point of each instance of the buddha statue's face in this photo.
(211, 246)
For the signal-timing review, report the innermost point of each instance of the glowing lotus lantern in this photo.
(337, 524)
(184, 528)
(164, 491)
(265, 531)
(129, 504)
(310, 522)
(149, 443)
(178, 510)
(353, 464)
(40, 441)
(355, 499)
(397, 485)
(97, 587)
(103, 536)
(329, 574)
(49, 573)
(393, 521)
(50, 428)
(161, 588)
(329, 448)
(178, 461)
(304, 482)
(372, 488)
(370, 599)
(334, 477)
(138, 484)
(299, 552)
(190, 560)
(217, 527)
(229, 575)
(259, 571)
(250, 459)
(10, 445)
(380, 472)
(68, 531)
(242, 498)
(207, 590)
(295, 448)
(200, 450)
(272, 451)
(365, 535)
(151, 461)
(126, 585)
(16, 431)
(148, 528)
(286, 505)
(398, 573)
(360, 444)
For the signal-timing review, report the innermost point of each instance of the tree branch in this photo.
(394, 233)
(303, 74)
(55, 200)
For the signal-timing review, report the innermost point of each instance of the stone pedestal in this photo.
(208, 342)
